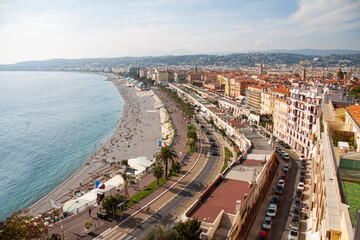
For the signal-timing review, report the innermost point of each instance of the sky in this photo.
(48, 29)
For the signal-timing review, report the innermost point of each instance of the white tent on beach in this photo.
(81, 203)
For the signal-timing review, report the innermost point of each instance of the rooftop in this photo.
(354, 111)
(223, 197)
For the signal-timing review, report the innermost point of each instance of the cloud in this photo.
(260, 41)
(4, 5)
(318, 17)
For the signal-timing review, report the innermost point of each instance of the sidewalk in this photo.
(141, 216)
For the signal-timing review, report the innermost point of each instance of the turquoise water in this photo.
(49, 125)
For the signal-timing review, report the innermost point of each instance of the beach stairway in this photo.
(224, 227)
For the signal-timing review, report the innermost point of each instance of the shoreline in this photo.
(93, 167)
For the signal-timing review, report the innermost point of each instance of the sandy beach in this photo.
(137, 135)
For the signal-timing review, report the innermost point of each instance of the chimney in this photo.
(238, 205)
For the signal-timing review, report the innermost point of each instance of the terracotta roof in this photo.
(222, 197)
(281, 90)
(354, 112)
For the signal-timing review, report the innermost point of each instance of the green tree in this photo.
(158, 172)
(166, 155)
(110, 203)
(21, 226)
(190, 142)
(175, 167)
(158, 233)
(189, 230)
(128, 179)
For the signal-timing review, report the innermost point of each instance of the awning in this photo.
(75, 205)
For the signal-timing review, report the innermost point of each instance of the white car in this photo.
(272, 209)
(301, 186)
(281, 183)
(293, 234)
(302, 158)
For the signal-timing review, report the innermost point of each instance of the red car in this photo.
(262, 235)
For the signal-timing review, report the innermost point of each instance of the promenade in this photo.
(124, 224)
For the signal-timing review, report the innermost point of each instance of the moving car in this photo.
(286, 156)
(300, 186)
(214, 153)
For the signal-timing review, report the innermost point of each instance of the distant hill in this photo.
(313, 52)
(234, 60)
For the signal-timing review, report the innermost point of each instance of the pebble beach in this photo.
(137, 135)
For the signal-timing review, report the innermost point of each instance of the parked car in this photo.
(281, 183)
(275, 200)
(299, 194)
(282, 153)
(302, 173)
(302, 179)
(207, 132)
(262, 235)
(300, 186)
(278, 150)
(286, 156)
(302, 158)
(296, 212)
(293, 234)
(267, 223)
(213, 144)
(278, 190)
(212, 140)
(283, 176)
(295, 223)
(287, 146)
(286, 168)
(297, 203)
(271, 212)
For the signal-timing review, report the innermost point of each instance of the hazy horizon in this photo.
(67, 29)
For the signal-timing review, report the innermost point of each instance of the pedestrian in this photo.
(90, 212)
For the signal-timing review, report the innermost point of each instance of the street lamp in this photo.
(62, 231)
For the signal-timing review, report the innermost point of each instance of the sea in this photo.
(50, 125)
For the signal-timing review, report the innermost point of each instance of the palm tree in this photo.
(128, 179)
(158, 172)
(110, 203)
(189, 230)
(166, 155)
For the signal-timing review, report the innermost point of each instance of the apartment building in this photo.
(266, 100)
(304, 109)
(329, 213)
(254, 97)
(280, 118)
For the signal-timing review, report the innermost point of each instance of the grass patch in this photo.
(352, 191)
(191, 149)
(228, 155)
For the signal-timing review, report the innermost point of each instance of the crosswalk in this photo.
(112, 234)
